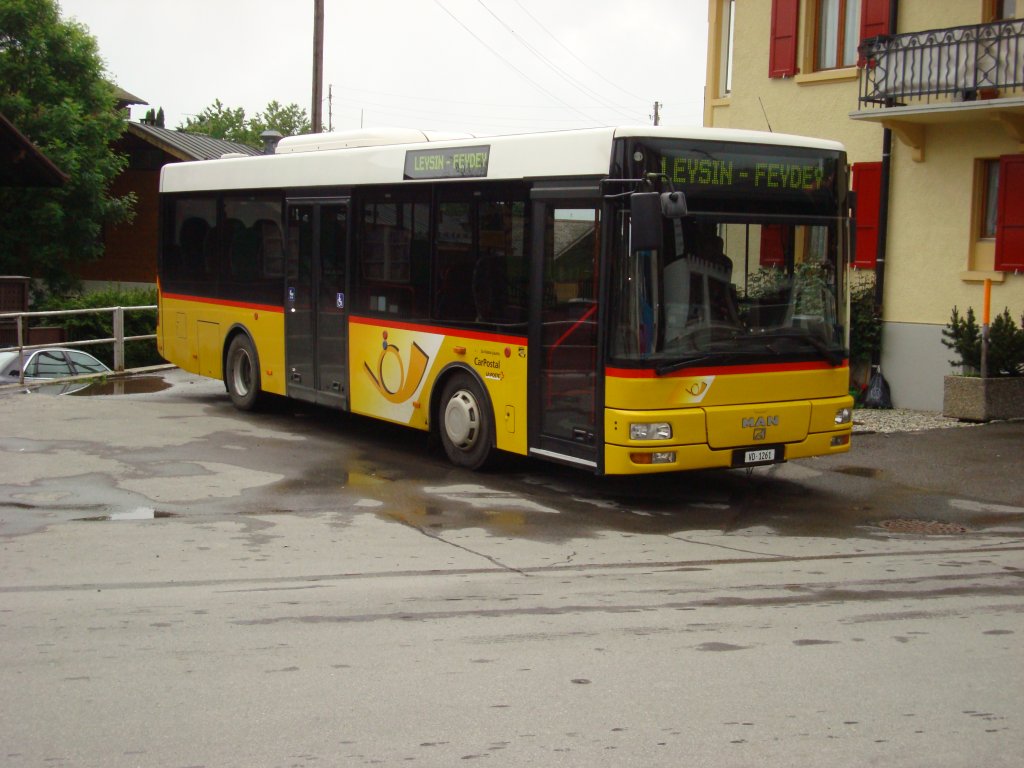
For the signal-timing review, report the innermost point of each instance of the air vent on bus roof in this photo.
(363, 137)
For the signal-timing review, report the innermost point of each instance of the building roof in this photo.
(126, 99)
(188, 146)
(22, 163)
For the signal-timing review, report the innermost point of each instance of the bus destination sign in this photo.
(782, 173)
(726, 176)
(448, 163)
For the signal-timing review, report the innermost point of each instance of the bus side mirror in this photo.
(645, 214)
(673, 205)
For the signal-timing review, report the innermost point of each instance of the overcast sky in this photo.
(483, 66)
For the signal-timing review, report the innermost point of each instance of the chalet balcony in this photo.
(957, 64)
(959, 74)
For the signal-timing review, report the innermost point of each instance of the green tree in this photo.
(222, 122)
(291, 120)
(53, 88)
(155, 117)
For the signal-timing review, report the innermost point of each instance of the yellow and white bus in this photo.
(625, 300)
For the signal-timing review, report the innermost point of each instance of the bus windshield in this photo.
(723, 291)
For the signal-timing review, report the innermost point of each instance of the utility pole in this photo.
(657, 113)
(316, 113)
(330, 107)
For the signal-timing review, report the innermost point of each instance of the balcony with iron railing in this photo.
(958, 64)
(948, 75)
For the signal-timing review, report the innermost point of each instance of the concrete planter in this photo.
(971, 398)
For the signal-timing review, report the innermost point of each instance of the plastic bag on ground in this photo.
(878, 394)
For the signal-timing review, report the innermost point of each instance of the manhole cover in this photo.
(927, 527)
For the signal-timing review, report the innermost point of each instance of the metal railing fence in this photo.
(117, 323)
(962, 63)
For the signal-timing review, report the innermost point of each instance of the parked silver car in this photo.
(49, 363)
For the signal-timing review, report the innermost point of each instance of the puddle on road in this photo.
(139, 513)
(135, 385)
(859, 471)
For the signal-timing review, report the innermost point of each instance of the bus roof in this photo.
(380, 156)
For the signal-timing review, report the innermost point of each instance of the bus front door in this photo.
(316, 315)
(564, 406)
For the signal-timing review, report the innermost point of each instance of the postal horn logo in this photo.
(392, 380)
(693, 390)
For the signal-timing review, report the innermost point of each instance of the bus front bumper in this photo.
(813, 428)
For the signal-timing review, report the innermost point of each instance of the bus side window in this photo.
(244, 253)
(183, 258)
(480, 268)
(455, 257)
(500, 274)
(272, 246)
(393, 273)
(192, 238)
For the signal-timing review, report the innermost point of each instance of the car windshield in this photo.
(724, 291)
(8, 363)
(49, 364)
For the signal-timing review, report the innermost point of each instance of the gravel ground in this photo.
(867, 420)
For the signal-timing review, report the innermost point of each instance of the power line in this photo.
(512, 66)
(397, 115)
(571, 53)
(399, 109)
(565, 75)
(438, 100)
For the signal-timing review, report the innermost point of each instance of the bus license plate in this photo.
(746, 458)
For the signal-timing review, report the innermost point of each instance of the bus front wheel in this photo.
(466, 424)
(242, 373)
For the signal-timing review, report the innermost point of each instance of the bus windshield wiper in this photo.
(677, 365)
(834, 356)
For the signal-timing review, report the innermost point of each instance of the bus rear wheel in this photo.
(466, 423)
(242, 373)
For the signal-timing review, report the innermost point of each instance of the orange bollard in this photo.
(986, 315)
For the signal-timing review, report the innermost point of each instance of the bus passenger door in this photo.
(316, 313)
(565, 422)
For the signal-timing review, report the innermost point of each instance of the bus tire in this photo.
(466, 425)
(242, 373)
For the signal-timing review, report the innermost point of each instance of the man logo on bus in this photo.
(391, 379)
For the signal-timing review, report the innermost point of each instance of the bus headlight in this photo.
(844, 416)
(658, 430)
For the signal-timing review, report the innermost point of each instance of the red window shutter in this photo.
(867, 183)
(1010, 214)
(782, 51)
(874, 18)
(774, 239)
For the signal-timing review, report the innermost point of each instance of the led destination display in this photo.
(451, 163)
(725, 173)
(725, 176)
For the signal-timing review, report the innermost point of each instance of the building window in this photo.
(727, 42)
(1002, 10)
(1006, 10)
(838, 33)
(989, 198)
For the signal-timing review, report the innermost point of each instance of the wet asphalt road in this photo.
(186, 585)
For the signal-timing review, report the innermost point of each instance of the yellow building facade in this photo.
(947, 82)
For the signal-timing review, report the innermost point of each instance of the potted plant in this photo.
(991, 385)
(865, 333)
